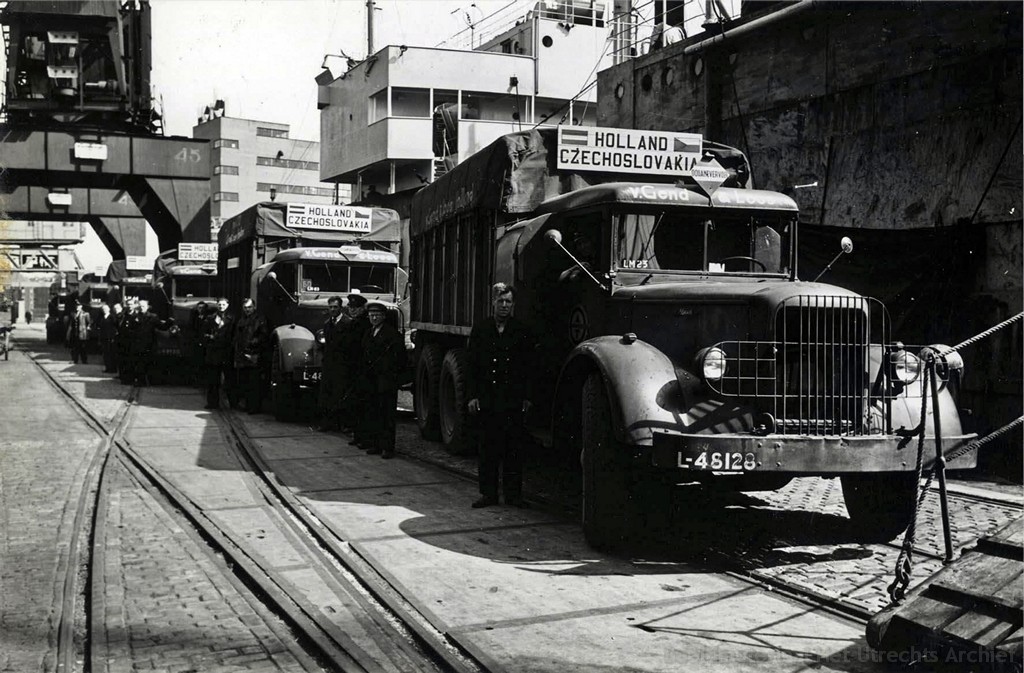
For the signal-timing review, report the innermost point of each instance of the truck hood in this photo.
(764, 292)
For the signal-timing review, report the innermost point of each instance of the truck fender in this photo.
(906, 405)
(638, 377)
(296, 343)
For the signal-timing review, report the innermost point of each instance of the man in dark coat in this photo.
(250, 344)
(355, 390)
(108, 339)
(383, 352)
(125, 327)
(332, 378)
(77, 337)
(218, 331)
(500, 358)
(143, 343)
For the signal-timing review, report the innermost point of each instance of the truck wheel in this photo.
(609, 508)
(281, 393)
(880, 505)
(453, 416)
(425, 397)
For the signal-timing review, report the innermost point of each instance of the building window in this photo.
(225, 170)
(490, 106)
(271, 133)
(550, 110)
(225, 196)
(410, 102)
(226, 143)
(295, 189)
(288, 163)
(378, 106)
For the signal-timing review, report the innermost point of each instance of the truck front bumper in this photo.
(793, 454)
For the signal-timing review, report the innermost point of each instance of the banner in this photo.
(329, 218)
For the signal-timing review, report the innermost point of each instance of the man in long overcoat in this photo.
(143, 343)
(332, 380)
(383, 353)
(501, 359)
(77, 337)
(219, 330)
(250, 343)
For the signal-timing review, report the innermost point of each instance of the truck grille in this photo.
(813, 377)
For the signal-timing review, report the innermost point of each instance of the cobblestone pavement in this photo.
(44, 454)
(169, 606)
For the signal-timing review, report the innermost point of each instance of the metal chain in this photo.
(905, 561)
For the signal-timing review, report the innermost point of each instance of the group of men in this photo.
(363, 356)
(126, 336)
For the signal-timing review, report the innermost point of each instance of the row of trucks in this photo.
(290, 259)
(677, 343)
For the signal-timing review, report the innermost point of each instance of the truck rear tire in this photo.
(453, 414)
(880, 505)
(425, 396)
(609, 508)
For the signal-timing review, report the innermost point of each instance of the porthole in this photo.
(646, 81)
(668, 76)
(620, 91)
(547, 41)
(698, 66)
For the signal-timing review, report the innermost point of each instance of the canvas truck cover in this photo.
(167, 264)
(517, 172)
(309, 223)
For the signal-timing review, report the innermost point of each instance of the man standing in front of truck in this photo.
(333, 381)
(383, 351)
(501, 360)
(219, 330)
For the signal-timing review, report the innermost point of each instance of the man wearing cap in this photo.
(383, 351)
(354, 390)
(333, 381)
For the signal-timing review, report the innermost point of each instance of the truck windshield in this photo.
(335, 278)
(186, 287)
(674, 241)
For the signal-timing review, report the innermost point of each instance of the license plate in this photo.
(311, 376)
(718, 461)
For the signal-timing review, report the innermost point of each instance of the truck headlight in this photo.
(905, 366)
(948, 363)
(711, 363)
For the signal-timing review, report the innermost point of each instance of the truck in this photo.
(677, 343)
(183, 278)
(290, 258)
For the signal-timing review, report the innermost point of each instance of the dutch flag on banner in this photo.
(683, 145)
(574, 136)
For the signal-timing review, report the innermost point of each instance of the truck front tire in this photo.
(281, 392)
(609, 508)
(454, 417)
(425, 396)
(880, 505)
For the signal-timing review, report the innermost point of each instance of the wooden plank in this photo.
(1013, 644)
(926, 612)
(985, 578)
(978, 628)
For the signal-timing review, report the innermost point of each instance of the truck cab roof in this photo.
(659, 194)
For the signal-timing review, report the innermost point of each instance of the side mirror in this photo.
(553, 235)
(272, 275)
(846, 245)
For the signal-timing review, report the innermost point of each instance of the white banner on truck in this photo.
(197, 252)
(330, 218)
(593, 148)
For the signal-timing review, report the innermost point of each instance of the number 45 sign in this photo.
(189, 155)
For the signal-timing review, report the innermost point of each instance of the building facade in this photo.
(399, 118)
(253, 161)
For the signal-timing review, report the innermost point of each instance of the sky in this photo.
(260, 56)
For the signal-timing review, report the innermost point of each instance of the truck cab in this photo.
(677, 341)
(184, 278)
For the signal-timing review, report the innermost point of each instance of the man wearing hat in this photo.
(354, 389)
(333, 380)
(383, 352)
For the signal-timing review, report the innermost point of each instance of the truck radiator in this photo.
(814, 377)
